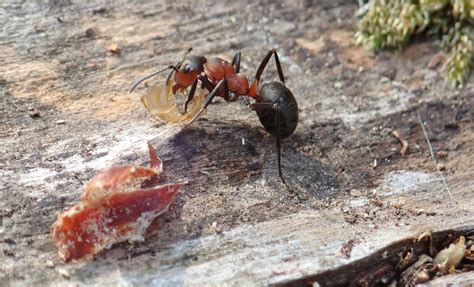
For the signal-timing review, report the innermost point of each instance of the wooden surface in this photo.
(352, 196)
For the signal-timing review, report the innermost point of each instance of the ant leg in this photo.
(262, 106)
(208, 101)
(236, 62)
(264, 63)
(191, 93)
(205, 82)
(171, 74)
(246, 101)
(278, 142)
(208, 85)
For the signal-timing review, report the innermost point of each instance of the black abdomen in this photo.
(278, 93)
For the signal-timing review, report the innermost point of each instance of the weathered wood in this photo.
(464, 279)
(235, 223)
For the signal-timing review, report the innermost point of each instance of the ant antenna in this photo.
(178, 65)
(149, 76)
(173, 69)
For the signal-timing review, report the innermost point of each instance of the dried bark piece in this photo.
(421, 271)
(113, 48)
(402, 141)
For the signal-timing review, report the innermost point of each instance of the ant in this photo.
(275, 105)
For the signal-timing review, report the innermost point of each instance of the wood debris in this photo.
(402, 141)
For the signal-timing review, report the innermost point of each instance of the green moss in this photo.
(391, 23)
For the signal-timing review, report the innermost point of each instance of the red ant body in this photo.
(274, 104)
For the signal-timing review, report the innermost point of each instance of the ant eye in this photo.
(186, 68)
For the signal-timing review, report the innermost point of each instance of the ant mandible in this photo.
(275, 105)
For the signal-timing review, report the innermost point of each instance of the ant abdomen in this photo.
(280, 99)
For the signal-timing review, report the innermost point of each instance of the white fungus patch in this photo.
(122, 142)
(37, 177)
(401, 182)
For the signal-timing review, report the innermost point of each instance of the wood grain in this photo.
(351, 197)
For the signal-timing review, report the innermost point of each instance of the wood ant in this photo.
(275, 105)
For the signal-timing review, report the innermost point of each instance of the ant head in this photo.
(188, 71)
(193, 64)
(184, 73)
